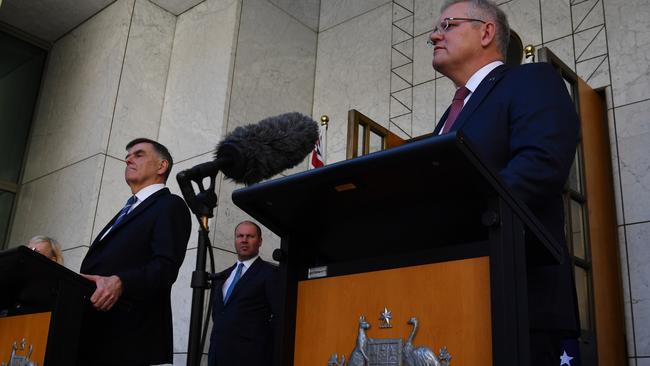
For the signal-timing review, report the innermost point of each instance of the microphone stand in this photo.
(202, 205)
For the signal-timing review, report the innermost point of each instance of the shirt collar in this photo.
(247, 263)
(147, 191)
(479, 75)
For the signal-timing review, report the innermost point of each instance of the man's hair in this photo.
(257, 227)
(162, 151)
(487, 10)
(54, 246)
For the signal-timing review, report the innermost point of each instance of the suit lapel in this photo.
(481, 92)
(218, 284)
(131, 215)
(250, 273)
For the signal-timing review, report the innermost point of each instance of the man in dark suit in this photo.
(245, 305)
(523, 125)
(134, 261)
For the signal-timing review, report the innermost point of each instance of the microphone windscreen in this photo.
(262, 150)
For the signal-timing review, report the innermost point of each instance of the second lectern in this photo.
(413, 254)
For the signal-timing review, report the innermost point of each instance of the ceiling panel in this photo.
(48, 20)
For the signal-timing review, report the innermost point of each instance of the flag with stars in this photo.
(570, 355)
(317, 158)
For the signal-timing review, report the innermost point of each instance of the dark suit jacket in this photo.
(524, 126)
(146, 250)
(244, 328)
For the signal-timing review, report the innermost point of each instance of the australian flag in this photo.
(570, 355)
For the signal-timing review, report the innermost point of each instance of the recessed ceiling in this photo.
(48, 20)
(177, 7)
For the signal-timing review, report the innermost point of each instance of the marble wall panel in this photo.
(305, 11)
(590, 43)
(556, 19)
(113, 194)
(422, 57)
(353, 71)
(73, 257)
(424, 108)
(445, 90)
(639, 257)
(563, 48)
(61, 204)
(144, 74)
(199, 78)
(426, 13)
(525, 19)
(628, 30)
(334, 12)
(75, 108)
(587, 14)
(633, 139)
(274, 68)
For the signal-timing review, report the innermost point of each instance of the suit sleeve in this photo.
(169, 238)
(544, 130)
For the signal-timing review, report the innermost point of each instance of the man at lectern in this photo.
(245, 305)
(522, 123)
(134, 261)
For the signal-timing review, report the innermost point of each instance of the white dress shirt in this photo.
(247, 264)
(141, 195)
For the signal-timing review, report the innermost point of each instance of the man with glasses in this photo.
(522, 123)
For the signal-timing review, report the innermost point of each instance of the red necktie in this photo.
(456, 106)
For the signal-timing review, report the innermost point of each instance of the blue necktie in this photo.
(234, 282)
(125, 210)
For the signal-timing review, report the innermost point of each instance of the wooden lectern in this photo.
(423, 230)
(41, 309)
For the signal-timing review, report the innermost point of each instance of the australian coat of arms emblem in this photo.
(390, 352)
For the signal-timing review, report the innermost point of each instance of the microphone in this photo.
(252, 153)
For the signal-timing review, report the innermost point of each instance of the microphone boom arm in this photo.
(202, 205)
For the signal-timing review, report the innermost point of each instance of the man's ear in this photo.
(164, 166)
(488, 34)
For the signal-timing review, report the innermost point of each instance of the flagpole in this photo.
(324, 121)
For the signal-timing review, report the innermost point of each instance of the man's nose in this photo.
(435, 36)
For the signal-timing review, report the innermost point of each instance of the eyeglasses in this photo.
(446, 24)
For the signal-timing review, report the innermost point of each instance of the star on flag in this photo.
(565, 359)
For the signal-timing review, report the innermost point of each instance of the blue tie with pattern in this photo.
(125, 210)
(234, 282)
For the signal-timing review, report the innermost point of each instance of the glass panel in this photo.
(578, 229)
(575, 181)
(376, 142)
(362, 132)
(582, 288)
(20, 75)
(6, 202)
